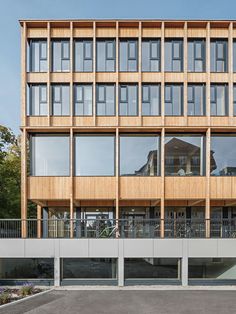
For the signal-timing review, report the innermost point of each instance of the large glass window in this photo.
(94, 155)
(151, 100)
(128, 55)
(219, 99)
(223, 150)
(174, 55)
(60, 99)
(37, 100)
(128, 100)
(234, 55)
(212, 268)
(151, 268)
(196, 55)
(83, 99)
(105, 99)
(83, 55)
(174, 99)
(151, 55)
(60, 55)
(184, 155)
(234, 100)
(196, 100)
(89, 268)
(26, 268)
(106, 55)
(139, 155)
(219, 55)
(49, 155)
(37, 55)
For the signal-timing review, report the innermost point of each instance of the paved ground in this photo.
(128, 302)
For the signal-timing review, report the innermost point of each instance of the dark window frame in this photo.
(84, 41)
(82, 101)
(214, 101)
(224, 59)
(104, 85)
(171, 99)
(129, 41)
(40, 41)
(158, 85)
(192, 85)
(61, 85)
(122, 85)
(203, 54)
(106, 57)
(63, 58)
(29, 100)
(173, 41)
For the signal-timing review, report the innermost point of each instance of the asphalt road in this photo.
(128, 302)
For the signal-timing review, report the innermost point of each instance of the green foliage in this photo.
(26, 290)
(5, 297)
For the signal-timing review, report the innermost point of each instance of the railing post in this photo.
(39, 215)
(23, 228)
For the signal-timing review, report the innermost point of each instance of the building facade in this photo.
(128, 152)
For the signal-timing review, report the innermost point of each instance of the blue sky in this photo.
(13, 10)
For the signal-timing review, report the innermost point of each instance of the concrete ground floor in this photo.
(130, 302)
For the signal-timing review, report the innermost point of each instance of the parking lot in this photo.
(128, 301)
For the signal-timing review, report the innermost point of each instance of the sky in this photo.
(13, 10)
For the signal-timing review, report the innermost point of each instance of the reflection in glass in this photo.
(105, 55)
(139, 155)
(151, 268)
(151, 100)
(184, 155)
(128, 55)
(89, 268)
(26, 268)
(174, 55)
(49, 155)
(196, 99)
(173, 99)
(60, 55)
(94, 155)
(37, 55)
(223, 148)
(219, 99)
(196, 55)
(151, 55)
(219, 55)
(212, 268)
(83, 99)
(83, 55)
(105, 100)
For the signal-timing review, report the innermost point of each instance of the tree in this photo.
(10, 163)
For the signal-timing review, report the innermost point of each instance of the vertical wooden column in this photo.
(140, 73)
(71, 182)
(185, 94)
(162, 147)
(24, 197)
(230, 69)
(94, 73)
(208, 75)
(23, 74)
(117, 178)
(71, 74)
(39, 221)
(117, 74)
(48, 72)
(162, 73)
(208, 167)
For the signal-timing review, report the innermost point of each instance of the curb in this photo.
(24, 299)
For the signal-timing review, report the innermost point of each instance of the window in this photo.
(89, 268)
(196, 55)
(83, 55)
(196, 100)
(139, 155)
(151, 100)
(61, 55)
(151, 55)
(83, 99)
(223, 155)
(234, 99)
(173, 99)
(60, 100)
(37, 100)
(151, 269)
(106, 59)
(174, 55)
(128, 97)
(94, 155)
(220, 269)
(105, 100)
(128, 55)
(184, 155)
(49, 155)
(27, 268)
(234, 56)
(37, 55)
(219, 53)
(219, 99)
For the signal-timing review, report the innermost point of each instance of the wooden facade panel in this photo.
(175, 121)
(106, 32)
(174, 77)
(151, 32)
(219, 32)
(94, 188)
(103, 77)
(140, 188)
(63, 77)
(196, 32)
(128, 32)
(106, 121)
(83, 32)
(197, 121)
(60, 121)
(37, 33)
(220, 121)
(83, 121)
(152, 121)
(37, 121)
(60, 32)
(174, 32)
(151, 77)
(219, 77)
(36, 77)
(185, 187)
(128, 77)
(129, 121)
(196, 77)
(222, 187)
(46, 188)
(86, 77)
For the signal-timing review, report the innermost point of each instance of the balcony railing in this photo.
(118, 228)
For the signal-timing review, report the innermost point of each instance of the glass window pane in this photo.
(146, 93)
(223, 155)
(198, 50)
(94, 155)
(168, 56)
(56, 57)
(132, 50)
(190, 56)
(101, 93)
(87, 50)
(145, 56)
(65, 100)
(101, 56)
(123, 93)
(139, 155)
(186, 153)
(65, 50)
(176, 50)
(110, 100)
(123, 60)
(49, 155)
(132, 100)
(110, 50)
(154, 50)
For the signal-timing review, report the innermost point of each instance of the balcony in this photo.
(118, 228)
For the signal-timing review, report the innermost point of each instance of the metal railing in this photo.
(118, 228)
